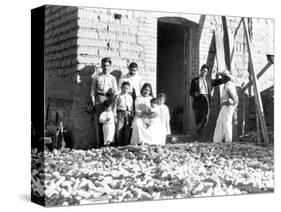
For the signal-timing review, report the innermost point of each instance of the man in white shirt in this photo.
(134, 79)
(102, 83)
(229, 102)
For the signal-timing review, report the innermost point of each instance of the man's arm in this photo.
(217, 82)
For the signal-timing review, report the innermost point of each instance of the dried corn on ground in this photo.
(70, 177)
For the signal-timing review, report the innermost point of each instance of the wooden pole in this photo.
(256, 86)
(258, 127)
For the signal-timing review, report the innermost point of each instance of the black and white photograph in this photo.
(133, 105)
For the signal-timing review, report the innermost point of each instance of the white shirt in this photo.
(203, 86)
(101, 83)
(104, 115)
(228, 91)
(124, 102)
(135, 83)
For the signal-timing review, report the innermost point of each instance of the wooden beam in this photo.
(256, 85)
(258, 76)
(258, 128)
(235, 33)
(220, 57)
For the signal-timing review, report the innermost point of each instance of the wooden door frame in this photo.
(187, 108)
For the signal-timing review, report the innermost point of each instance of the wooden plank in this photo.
(258, 76)
(258, 128)
(256, 85)
(233, 37)
(220, 57)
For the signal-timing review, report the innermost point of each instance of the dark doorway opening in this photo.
(171, 66)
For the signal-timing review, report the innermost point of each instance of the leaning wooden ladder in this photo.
(222, 65)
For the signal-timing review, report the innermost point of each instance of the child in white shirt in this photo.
(123, 110)
(107, 119)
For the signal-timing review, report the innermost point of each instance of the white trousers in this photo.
(223, 128)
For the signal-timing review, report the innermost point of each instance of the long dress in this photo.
(165, 118)
(223, 130)
(140, 133)
(156, 129)
(108, 127)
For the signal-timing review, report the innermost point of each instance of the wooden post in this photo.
(258, 127)
(243, 110)
(220, 54)
(256, 86)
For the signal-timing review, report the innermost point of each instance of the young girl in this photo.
(107, 119)
(156, 128)
(164, 112)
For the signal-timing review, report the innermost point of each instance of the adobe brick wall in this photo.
(77, 38)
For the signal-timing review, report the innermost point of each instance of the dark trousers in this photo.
(123, 128)
(201, 112)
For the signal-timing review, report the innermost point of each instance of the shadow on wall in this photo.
(82, 114)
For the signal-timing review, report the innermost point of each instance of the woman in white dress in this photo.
(141, 121)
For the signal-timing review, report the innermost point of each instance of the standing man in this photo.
(102, 83)
(200, 91)
(134, 79)
(229, 102)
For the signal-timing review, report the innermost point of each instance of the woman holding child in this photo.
(147, 126)
(140, 123)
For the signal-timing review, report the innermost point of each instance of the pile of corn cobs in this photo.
(71, 177)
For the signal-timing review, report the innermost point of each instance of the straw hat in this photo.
(226, 73)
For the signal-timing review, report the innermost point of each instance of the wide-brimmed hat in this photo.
(226, 73)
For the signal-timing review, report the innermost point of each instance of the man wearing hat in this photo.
(229, 102)
(200, 91)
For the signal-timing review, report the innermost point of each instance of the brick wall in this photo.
(60, 62)
(77, 38)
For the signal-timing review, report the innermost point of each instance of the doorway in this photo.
(172, 69)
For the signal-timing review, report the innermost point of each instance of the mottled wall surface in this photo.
(60, 62)
(77, 38)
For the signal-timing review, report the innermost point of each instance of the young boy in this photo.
(123, 112)
(164, 112)
(107, 119)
